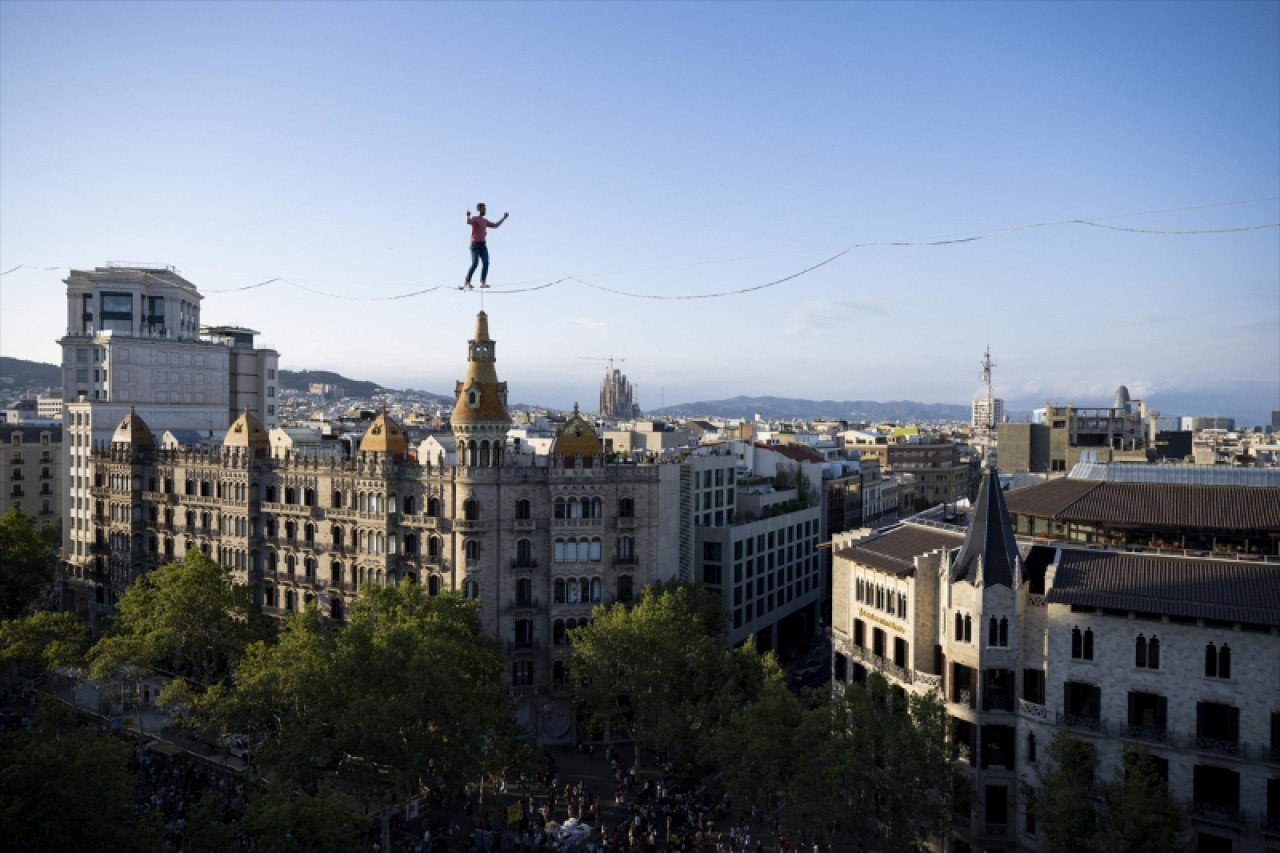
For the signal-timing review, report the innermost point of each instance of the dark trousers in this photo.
(479, 253)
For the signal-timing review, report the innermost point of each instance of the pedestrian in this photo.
(479, 246)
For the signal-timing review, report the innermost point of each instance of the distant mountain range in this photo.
(1245, 400)
(20, 373)
(786, 408)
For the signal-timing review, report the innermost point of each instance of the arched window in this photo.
(1077, 644)
(290, 563)
(524, 552)
(433, 585)
(471, 509)
(968, 628)
(335, 573)
(1153, 653)
(626, 508)
(597, 590)
(472, 549)
(1088, 644)
(309, 566)
(597, 508)
(595, 553)
(523, 510)
(558, 637)
(1224, 661)
(433, 507)
(1031, 748)
(411, 544)
(337, 499)
(524, 592)
(290, 530)
(1140, 652)
(559, 552)
(522, 673)
(993, 632)
(561, 510)
(309, 497)
(408, 504)
(959, 627)
(558, 593)
(273, 562)
(574, 591)
(557, 672)
(1004, 630)
(310, 533)
(433, 547)
(471, 588)
(288, 600)
(335, 608)
(625, 590)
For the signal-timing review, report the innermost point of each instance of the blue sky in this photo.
(672, 150)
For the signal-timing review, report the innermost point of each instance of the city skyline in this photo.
(672, 152)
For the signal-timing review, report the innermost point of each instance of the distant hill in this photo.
(785, 408)
(299, 380)
(20, 373)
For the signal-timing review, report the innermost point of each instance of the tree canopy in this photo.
(1131, 812)
(653, 671)
(42, 641)
(865, 769)
(28, 556)
(408, 695)
(62, 788)
(187, 617)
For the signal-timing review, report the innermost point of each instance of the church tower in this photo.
(480, 418)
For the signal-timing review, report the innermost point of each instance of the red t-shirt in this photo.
(479, 225)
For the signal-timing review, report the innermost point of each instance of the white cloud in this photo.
(819, 316)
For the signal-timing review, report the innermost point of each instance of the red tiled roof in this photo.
(1150, 504)
(794, 452)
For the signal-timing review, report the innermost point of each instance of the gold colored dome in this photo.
(134, 431)
(577, 437)
(247, 431)
(481, 398)
(384, 436)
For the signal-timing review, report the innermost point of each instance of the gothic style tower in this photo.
(480, 418)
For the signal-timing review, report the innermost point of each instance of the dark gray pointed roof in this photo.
(989, 554)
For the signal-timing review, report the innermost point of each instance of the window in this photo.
(1031, 748)
(523, 510)
(1082, 644)
(624, 588)
(472, 549)
(1217, 662)
(959, 627)
(522, 673)
(998, 631)
(1146, 653)
(968, 628)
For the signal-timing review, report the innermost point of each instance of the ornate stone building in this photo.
(1023, 637)
(538, 540)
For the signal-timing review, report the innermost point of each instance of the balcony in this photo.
(522, 646)
(928, 679)
(625, 560)
(1083, 722)
(525, 524)
(997, 702)
(524, 690)
(345, 513)
(1151, 734)
(524, 564)
(963, 696)
(1033, 709)
(527, 604)
(1214, 813)
(995, 830)
(1218, 746)
(465, 526)
(626, 522)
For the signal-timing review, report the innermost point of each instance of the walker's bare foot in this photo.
(482, 284)
(468, 286)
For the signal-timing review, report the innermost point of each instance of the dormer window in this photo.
(473, 398)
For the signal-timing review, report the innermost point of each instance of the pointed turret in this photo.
(481, 398)
(480, 418)
(577, 438)
(989, 555)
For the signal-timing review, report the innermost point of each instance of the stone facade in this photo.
(1093, 641)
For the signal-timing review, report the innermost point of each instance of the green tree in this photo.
(1131, 812)
(62, 788)
(643, 671)
(42, 641)
(188, 617)
(408, 695)
(1140, 816)
(289, 821)
(1066, 807)
(866, 769)
(28, 556)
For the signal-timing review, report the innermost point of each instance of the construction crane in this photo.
(610, 359)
